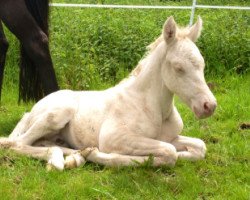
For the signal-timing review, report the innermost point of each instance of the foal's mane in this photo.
(150, 48)
(181, 32)
(137, 70)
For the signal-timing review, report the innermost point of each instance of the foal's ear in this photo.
(169, 30)
(195, 30)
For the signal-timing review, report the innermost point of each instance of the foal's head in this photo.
(183, 68)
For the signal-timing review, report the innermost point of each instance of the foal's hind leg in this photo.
(3, 51)
(48, 123)
(51, 153)
(17, 18)
(21, 127)
(73, 157)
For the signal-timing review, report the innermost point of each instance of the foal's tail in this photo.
(30, 86)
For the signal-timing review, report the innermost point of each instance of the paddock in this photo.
(84, 60)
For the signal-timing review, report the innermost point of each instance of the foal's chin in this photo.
(202, 114)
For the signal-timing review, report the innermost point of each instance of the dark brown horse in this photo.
(28, 21)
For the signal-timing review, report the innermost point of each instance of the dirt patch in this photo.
(244, 126)
(7, 161)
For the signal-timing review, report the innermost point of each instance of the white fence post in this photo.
(192, 13)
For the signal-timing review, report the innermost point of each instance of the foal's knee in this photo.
(169, 155)
(200, 149)
(4, 45)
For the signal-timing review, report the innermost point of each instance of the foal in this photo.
(129, 122)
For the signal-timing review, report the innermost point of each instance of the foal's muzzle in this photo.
(205, 110)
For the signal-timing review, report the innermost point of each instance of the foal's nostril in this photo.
(206, 107)
(209, 107)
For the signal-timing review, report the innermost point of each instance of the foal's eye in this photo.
(178, 68)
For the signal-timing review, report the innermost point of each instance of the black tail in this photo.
(3, 50)
(30, 86)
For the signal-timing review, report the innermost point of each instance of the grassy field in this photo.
(159, 2)
(94, 49)
(224, 174)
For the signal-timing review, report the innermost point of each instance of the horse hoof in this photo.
(74, 160)
(6, 143)
(56, 159)
(85, 153)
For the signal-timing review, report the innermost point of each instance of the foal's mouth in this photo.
(204, 111)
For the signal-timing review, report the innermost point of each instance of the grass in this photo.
(224, 174)
(159, 2)
(95, 48)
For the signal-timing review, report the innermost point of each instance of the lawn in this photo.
(94, 49)
(224, 174)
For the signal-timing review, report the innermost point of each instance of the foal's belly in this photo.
(80, 135)
(83, 129)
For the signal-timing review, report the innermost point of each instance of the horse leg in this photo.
(49, 152)
(17, 18)
(189, 148)
(136, 147)
(3, 51)
(73, 157)
(114, 159)
(48, 123)
(76, 158)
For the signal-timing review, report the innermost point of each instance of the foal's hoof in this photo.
(85, 152)
(74, 160)
(56, 159)
(52, 165)
(6, 143)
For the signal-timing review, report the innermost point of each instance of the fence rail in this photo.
(192, 7)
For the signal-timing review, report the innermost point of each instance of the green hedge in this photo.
(95, 48)
(159, 2)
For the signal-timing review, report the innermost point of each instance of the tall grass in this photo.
(96, 48)
(160, 2)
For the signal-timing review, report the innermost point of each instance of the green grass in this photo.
(95, 48)
(224, 174)
(159, 2)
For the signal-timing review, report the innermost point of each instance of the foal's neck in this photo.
(149, 83)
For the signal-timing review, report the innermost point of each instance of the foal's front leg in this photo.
(115, 142)
(189, 148)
